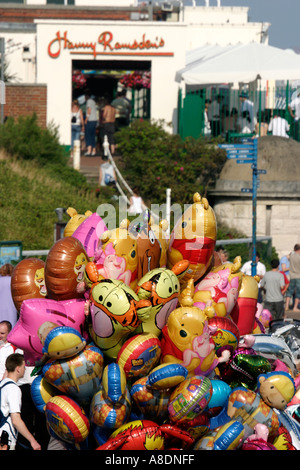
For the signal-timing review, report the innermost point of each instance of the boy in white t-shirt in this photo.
(279, 126)
(11, 401)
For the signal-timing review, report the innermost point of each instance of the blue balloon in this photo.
(220, 394)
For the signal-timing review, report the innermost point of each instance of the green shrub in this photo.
(154, 160)
(25, 139)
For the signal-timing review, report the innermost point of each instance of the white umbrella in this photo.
(240, 63)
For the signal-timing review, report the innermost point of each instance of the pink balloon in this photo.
(89, 233)
(36, 312)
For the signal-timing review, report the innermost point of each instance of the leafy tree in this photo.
(154, 160)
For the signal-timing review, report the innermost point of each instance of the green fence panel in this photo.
(192, 115)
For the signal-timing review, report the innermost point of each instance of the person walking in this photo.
(273, 284)
(294, 286)
(91, 121)
(11, 403)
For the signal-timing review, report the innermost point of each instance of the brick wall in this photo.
(23, 100)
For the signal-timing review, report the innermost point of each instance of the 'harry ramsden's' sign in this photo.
(106, 45)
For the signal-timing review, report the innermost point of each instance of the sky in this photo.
(284, 16)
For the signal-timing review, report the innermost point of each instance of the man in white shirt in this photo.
(6, 348)
(278, 125)
(11, 402)
(247, 109)
(260, 271)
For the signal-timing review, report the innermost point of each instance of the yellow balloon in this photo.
(193, 238)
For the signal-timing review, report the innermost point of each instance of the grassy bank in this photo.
(30, 193)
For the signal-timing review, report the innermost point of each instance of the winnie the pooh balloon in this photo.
(193, 238)
(187, 338)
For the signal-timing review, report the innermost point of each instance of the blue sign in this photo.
(246, 160)
(247, 190)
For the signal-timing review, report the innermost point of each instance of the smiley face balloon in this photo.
(193, 238)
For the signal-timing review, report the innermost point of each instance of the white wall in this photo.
(21, 65)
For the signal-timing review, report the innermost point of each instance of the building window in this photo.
(12, 1)
(60, 2)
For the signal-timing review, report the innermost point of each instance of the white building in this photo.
(48, 50)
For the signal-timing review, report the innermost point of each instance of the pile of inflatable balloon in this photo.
(140, 341)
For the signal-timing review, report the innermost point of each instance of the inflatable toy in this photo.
(67, 420)
(243, 369)
(148, 247)
(117, 255)
(114, 382)
(220, 288)
(28, 281)
(62, 342)
(160, 232)
(139, 355)
(111, 405)
(41, 391)
(152, 403)
(78, 376)
(275, 348)
(186, 339)
(116, 311)
(226, 334)
(166, 376)
(193, 238)
(248, 408)
(244, 311)
(160, 286)
(189, 399)
(220, 393)
(75, 220)
(227, 438)
(64, 269)
(144, 435)
(258, 440)
(38, 317)
(89, 233)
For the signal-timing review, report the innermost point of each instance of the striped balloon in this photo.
(67, 419)
(190, 398)
(167, 375)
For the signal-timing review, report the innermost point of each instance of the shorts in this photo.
(109, 130)
(294, 288)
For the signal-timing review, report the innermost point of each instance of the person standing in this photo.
(109, 119)
(137, 205)
(278, 125)
(294, 110)
(8, 310)
(6, 348)
(214, 116)
(247, 110)
(91, 121)
(11, 402)
(260, 271)
(77, 123)
(273, 284)
(294, 286)
(122, 109)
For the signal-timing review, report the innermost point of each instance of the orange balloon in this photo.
(28, 281)
(64, 269)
